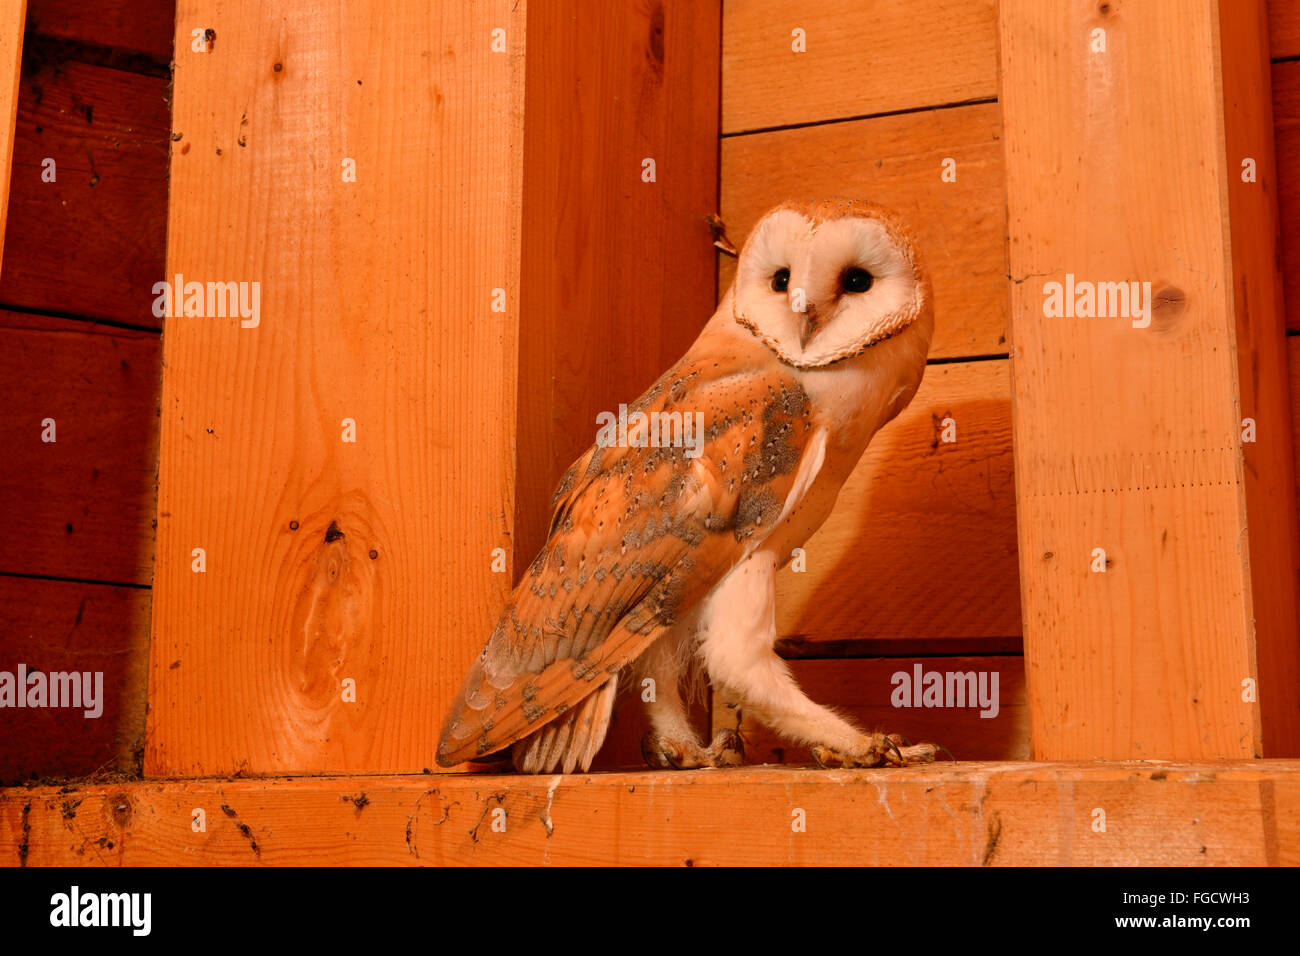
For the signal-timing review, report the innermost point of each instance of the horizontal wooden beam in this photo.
(1235, 813)
(81, 425)
(133, 26)
(88, 202)
(57, 627)
(1283, 28)
(787, 63)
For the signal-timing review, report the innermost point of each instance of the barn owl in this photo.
(662, 551)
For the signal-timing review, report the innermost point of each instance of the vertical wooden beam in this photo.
(1126, 129)
(12, 17)
(335, 568)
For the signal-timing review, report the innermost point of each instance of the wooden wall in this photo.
(79, 344)
(919, 562)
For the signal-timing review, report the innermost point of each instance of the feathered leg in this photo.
(672, 741)
(738, 633)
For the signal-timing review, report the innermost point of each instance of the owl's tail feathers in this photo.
(571, 741)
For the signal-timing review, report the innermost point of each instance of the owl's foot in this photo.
(880, 749)
(661, 753)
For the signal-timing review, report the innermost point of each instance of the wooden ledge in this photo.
(1230, 812)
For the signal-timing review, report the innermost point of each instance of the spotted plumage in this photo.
(659, 555)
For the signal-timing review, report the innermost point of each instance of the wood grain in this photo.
(91, 242)
(82, 506)
(967, 814)
(141, 26)
(860, 58)
(1129, 439)
(864, 690)
(922, 542)
(11, 57)
(330, 560)
(67, 626)
(898, 162)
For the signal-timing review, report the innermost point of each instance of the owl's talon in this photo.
(881, 749)
(654, 757)
(726, 750)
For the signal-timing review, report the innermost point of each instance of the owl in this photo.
(666, 535)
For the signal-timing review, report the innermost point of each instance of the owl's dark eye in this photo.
(857, 280)
(781, 281)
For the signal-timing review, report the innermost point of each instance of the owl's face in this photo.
(821, 282)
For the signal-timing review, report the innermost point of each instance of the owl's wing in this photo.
(639, 536)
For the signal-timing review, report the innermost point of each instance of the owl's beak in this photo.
(807, 325)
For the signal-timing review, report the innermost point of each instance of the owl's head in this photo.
(821, 282)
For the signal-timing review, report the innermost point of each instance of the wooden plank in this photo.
(1283, 28)
(62, 627)
(971, 814)
(1128, 439)
(859, 59)
(83, 505)
(873, 694)
(921, 545)
(329, 560)
(898, 161)
(91, 242)
(140, 26)
(11, 57)
(1286, 130)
